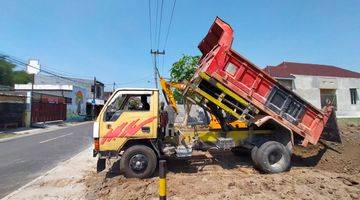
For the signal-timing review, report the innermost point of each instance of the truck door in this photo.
(128, 115)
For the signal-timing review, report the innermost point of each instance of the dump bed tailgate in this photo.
(224, 65)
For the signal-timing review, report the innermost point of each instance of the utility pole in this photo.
(93, 101)
(31, 96)
(114, 87)
(156, 71)
(32, 68)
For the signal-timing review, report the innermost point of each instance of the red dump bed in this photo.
(228, 67)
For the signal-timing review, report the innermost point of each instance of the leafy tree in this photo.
(10, 77)
(21, 77)
(182, 71)
(6, 70)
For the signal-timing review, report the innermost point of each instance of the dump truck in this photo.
(250, 111)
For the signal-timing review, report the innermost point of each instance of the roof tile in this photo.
(286, 69)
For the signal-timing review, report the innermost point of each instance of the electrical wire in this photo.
(22, 63)
(156, 20)
(170, 22)
(167, 33)
(47, 68)
(150, 26)
(159, 32)
(129, 82)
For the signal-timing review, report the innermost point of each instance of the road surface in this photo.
(23, 159)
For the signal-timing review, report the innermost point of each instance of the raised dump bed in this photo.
(243, 90)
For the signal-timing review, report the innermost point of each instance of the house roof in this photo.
(287, 69)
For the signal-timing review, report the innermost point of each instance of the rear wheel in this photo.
(138, 161)
(253, 156)
(273, 157)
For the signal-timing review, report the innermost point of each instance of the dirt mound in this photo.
(324, 171)
(329, 156)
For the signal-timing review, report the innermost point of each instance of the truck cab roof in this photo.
(136, 89)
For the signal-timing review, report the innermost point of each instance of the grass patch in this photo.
(6, 135)
(348, 121)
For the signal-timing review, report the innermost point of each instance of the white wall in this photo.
(304, 87)
(308, 87)
(345, 108)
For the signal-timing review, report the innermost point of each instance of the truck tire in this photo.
(273, 157)
(138, 161)
(100, 165)
(253, 156)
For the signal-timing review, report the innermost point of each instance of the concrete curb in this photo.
(42, 131)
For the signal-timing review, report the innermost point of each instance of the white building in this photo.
(319, 84)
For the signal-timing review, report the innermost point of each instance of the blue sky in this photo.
(110, 39)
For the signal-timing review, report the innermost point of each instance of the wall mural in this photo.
(76, 111)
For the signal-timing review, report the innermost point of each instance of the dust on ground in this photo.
(324, 171)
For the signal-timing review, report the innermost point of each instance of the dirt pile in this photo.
(325, 171)
(334, 157)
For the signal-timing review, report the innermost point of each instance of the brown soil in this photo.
(325, 171)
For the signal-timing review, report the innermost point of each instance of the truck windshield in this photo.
(115, 108)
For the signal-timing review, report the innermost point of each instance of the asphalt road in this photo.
(23, 159)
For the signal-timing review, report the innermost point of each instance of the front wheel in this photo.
(138, 161)
(273, 157)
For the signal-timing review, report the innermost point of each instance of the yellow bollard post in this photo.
(162, 179)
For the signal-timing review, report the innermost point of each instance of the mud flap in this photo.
(331, 131)
(100, 165)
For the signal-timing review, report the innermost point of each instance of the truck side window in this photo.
(138, 103)
(127, 102)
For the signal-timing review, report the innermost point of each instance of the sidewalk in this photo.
(65, 181)
(10, 134)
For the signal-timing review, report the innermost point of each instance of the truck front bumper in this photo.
(105, 154)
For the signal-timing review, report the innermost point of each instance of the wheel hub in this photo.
(274, 157)
(138, 162)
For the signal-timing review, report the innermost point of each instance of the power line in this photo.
(22, 63)
(170, 22)
(50, 69)
(159, 33)
(167, 33)
(150, 22)
(129, 82)
(156, 20)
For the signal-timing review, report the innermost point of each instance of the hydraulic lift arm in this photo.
(170, 100)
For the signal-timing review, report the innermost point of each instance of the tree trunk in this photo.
(187, 108)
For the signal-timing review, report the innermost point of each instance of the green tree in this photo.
(10, 77)
(182, 71)
(21, 77)
(6, 70)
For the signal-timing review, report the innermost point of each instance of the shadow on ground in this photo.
(226, 160)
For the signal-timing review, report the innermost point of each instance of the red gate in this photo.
(47, 108)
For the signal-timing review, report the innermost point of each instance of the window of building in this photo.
(98, 92)
(328, 97)
(353, 95)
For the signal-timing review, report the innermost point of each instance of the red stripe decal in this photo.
(125, 130)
